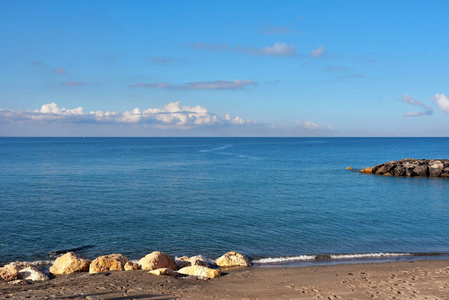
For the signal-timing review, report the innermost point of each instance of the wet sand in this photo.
(394, 280)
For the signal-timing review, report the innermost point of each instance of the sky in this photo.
(224, 68)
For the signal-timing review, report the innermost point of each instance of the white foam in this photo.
(368, 255)
(274, 260)
(271, 260)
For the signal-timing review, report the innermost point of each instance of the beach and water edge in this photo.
(415, 279)
(312, 229)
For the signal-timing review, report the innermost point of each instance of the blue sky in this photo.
(224, 68)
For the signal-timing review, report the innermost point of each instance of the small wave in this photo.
(271, 260)
(368, 255)
(299, 258)
(41, 262)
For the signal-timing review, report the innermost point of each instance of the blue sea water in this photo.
(279, 198)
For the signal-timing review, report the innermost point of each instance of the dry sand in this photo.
(395, 280)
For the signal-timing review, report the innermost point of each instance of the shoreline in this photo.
(402, 280)
(293, 261)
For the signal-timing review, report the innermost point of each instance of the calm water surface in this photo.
(265, 197)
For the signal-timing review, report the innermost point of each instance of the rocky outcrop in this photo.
(157, 260)
(367, 170)
(70, 263)
(412, 167)
(233, 259)
(200, 271)
(111, 262)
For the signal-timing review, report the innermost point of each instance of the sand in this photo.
(394, 280)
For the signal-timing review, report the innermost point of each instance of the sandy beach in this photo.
(394, 280)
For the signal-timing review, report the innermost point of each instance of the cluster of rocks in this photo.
(156, 263)
(412, 167)
(20, 273)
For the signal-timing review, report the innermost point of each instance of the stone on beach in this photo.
(70, 263)
(157, 260)
(233, 259)
(8, 273)
(186, 261)
(18, 282)
(32, 274)
(18, 265)
(198, 260)
(130, 266)
(12, 270)
(111, 262)
(200, 271)
(163, 272)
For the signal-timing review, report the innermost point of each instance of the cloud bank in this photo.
(201, 85)
(278, 49)
(172, 115)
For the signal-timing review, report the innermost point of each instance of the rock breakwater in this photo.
(412, 167)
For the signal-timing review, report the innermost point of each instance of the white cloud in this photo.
(318, 52)
(311, 126)
(442, 101)
(428, 110)
(308, 125)
(236, 120)
(172, 115)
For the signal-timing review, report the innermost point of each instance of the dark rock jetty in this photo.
(412, 167)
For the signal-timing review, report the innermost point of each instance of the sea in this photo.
(280, 201)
